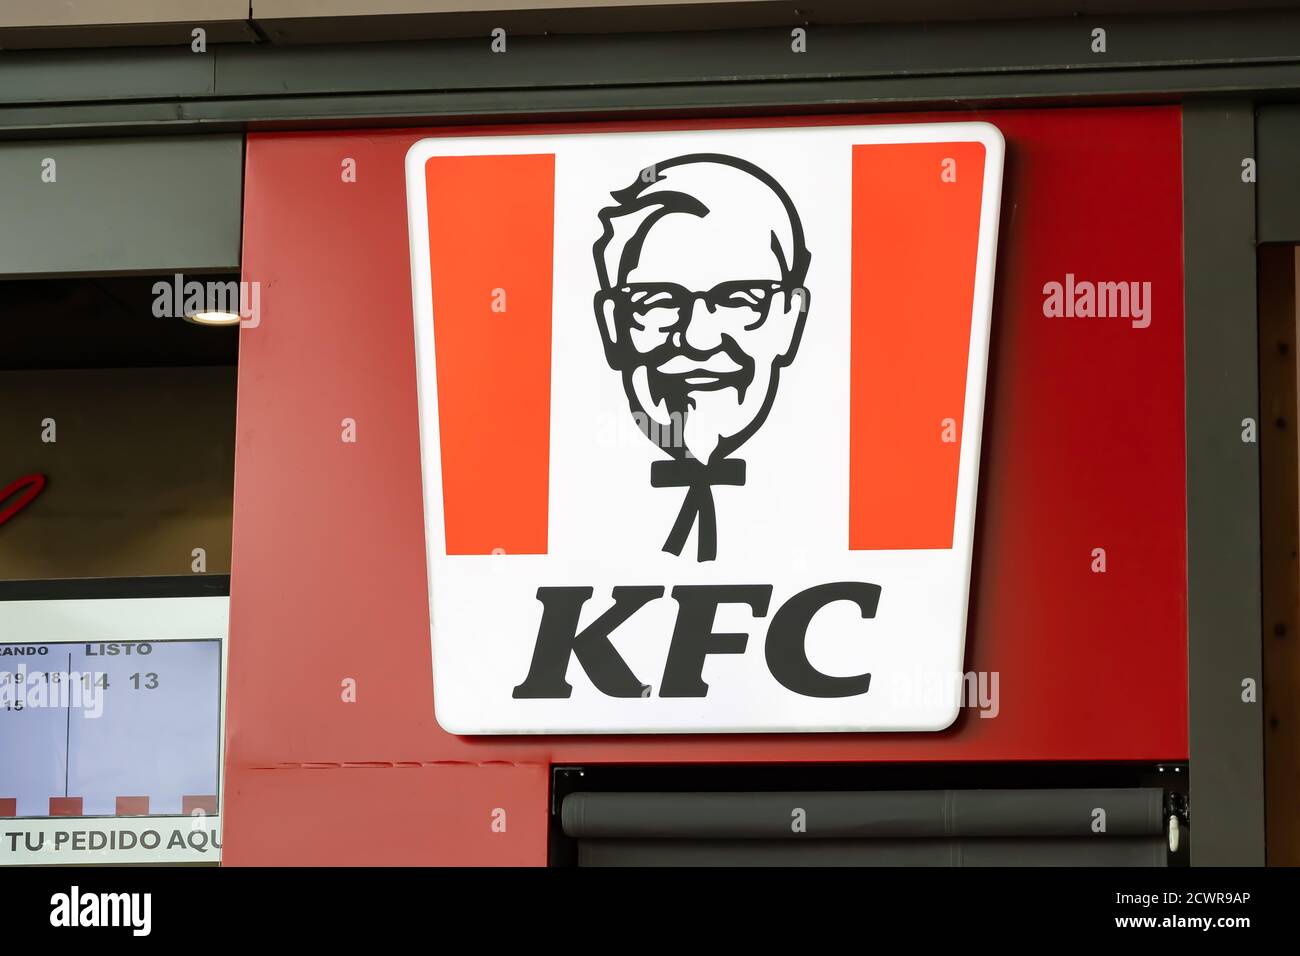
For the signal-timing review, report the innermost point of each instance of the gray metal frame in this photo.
(1277, 133)
(1223, 552)
(1219, 65)
(160, 204)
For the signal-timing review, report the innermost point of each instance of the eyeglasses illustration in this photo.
(664, 305)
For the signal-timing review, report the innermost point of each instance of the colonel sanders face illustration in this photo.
(702, 302)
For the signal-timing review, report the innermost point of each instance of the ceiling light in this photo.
(213, 318)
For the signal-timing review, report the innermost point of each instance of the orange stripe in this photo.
(491, 223)
(915, 239)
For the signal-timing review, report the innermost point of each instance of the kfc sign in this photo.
(700, 423)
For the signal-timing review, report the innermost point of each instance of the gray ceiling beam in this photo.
(878, 67)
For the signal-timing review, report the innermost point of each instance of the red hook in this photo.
(34, 485)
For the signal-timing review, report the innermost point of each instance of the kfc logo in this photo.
(701, 303)
(659, 499)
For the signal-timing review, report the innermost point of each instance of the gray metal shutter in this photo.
(869, 828)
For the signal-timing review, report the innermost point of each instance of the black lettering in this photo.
(558, 638)
(693, 636)
(787, 655)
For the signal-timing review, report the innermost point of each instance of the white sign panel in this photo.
(700, 420)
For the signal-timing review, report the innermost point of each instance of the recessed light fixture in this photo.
(213, 318)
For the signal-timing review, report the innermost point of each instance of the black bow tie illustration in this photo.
(699, 479)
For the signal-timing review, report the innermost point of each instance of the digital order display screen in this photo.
(121, 728)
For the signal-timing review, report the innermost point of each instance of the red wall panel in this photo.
(405, 814)
(1083, 449)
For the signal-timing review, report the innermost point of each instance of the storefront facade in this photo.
(1112, 641)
